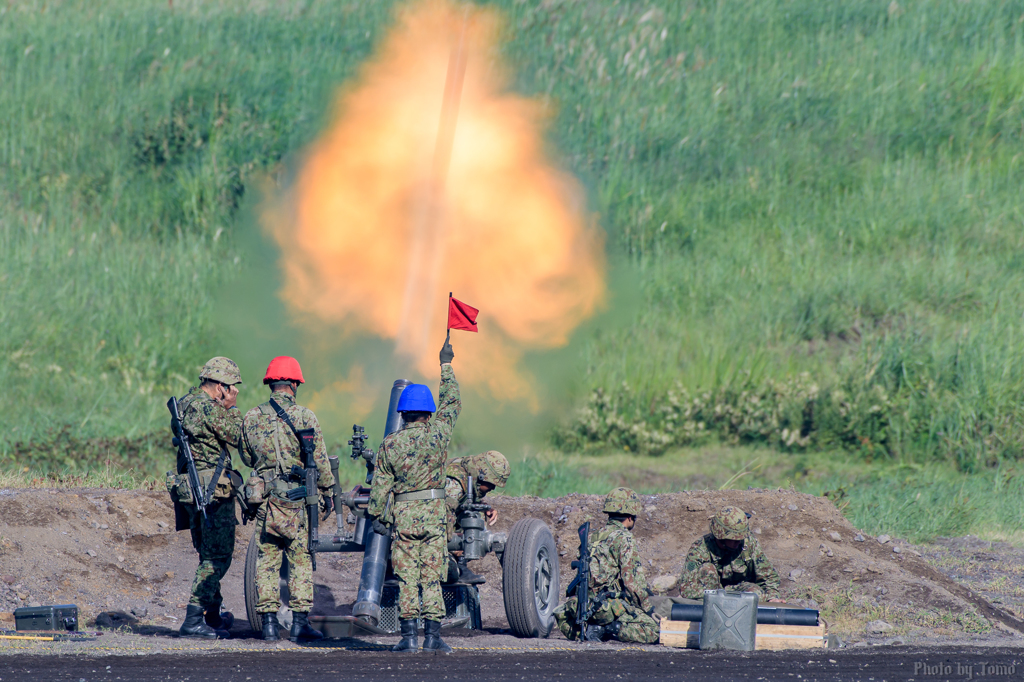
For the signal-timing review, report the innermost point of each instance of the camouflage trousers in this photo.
(419, 556)
(215, 543)
(634, 624)
(272, 549)
(706, 577)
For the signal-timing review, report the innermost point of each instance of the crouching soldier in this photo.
(484, 472)
(211, 422)
(270, 440)
(618, 585)
(729, 557)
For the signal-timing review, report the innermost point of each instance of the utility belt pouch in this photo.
(224, 490)
(255, 489)
(282, 520)
(179, 488)
(182, 520)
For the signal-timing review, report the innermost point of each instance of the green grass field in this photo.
(819, 201)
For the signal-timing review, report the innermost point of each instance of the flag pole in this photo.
(448, 315)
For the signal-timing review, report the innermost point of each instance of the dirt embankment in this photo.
(108, 550)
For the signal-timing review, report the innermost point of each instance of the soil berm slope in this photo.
(116, 550)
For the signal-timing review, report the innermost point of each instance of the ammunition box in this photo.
(47, 618)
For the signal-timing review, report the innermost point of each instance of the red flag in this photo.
(461, 316)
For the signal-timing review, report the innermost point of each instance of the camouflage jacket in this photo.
(211, 428)
(413, 458)
(616, 567)
(455, 495)
(264, 436)
(750, 565)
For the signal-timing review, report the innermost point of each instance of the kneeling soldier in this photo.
(617, 580)
(729, 557)
(271, 447)
(487, 471)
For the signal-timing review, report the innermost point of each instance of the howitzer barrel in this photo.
(766, 615)
(378, 547)
(371, 579)
(394, 420)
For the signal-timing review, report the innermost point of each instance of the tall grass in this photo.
(807, 189)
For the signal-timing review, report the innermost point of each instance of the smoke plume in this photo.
(432, 177)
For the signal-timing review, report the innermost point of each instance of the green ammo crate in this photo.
(47, 618)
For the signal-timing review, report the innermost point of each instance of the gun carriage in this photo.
(527, 554)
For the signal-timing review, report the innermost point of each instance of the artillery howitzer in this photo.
(527, 554)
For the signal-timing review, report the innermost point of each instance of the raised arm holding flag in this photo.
(460, 316)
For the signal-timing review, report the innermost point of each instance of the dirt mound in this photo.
(117, 550)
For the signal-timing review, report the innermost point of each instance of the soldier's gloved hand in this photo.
(328, 505)
(447, 354)
(381, 528)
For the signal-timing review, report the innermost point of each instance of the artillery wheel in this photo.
(530, 579)
(249, 587)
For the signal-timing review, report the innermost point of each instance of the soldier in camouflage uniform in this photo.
(212, 422)
(618, 585)
(728, 557)
(271, 448)
(408, 493)
(486, 471)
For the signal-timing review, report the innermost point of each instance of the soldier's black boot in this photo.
(593, 633)
(301, 629)
(409, 642)
(611, 631)
(271, 628)
(432, 637)
(195, 627)
(466, 574)
(219, 620)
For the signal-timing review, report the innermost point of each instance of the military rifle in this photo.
(180, 441)
(309, 475)
(580, 585)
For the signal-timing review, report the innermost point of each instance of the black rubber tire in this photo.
(249, 586)
(530, 582)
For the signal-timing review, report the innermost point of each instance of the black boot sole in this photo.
(199, 635)
(411, 650)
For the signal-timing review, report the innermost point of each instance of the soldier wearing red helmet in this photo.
(271, 447)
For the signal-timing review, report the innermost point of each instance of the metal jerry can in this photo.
(729, 620)
(47, 618)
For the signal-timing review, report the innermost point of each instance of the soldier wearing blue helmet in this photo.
(408, 498)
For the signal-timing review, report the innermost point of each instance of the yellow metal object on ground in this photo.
(683, 634)
(36, 637)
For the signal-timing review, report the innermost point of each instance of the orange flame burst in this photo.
(379, 230)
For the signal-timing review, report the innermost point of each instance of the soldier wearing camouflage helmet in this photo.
(484, 472)
(728, 557)
(210, 418)
(272, 449)
(618, 584)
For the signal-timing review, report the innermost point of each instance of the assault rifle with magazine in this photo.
(580, 585)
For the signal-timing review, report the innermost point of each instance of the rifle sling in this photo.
(283, 416)
(212, 488)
